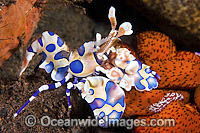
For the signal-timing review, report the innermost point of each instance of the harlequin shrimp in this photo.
(64, 64)
(104, 94)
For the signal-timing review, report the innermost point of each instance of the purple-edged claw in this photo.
(197, 53)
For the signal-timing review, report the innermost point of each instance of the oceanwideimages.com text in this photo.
(47, 121)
